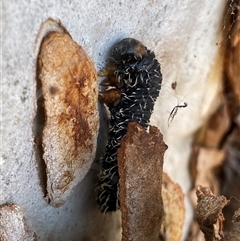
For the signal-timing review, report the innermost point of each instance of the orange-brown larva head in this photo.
(128, 50)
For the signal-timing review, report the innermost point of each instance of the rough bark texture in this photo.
(140, 163)
(209, 213)
(68, 82)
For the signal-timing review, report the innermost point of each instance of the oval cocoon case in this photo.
(70, 96)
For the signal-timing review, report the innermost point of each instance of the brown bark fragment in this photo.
(12, 224)
(140, 162)
(174, 209)
(209, 213)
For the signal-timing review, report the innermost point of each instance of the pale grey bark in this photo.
(183, 34)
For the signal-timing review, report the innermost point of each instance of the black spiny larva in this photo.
(134, 75)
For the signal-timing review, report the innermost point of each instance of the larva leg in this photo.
(110, 97)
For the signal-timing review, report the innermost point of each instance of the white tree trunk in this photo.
(183, 35)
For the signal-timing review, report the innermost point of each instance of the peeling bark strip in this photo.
(174, 209)
(209, 213)
(69, 88)
(140, 162)
(232, 53)
(12, 224)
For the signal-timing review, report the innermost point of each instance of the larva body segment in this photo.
(138, 75)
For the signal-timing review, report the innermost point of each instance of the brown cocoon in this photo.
(70, 95)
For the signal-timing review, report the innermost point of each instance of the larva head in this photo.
(127, 51)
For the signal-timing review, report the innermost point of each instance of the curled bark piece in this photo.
(69, 88)
(207, 161)
(12, 224)
(209, 213)
(140, 162)
(174, 209)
